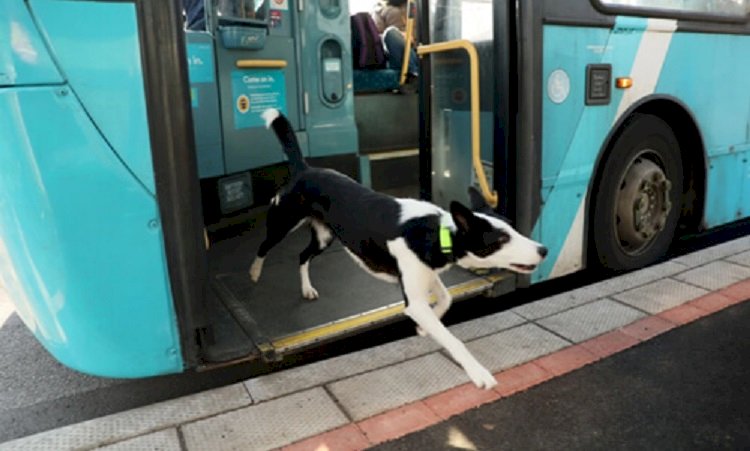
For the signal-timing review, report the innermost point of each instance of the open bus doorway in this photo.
(356, 121)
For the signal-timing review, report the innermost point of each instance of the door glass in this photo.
(452, 169)
(253, 11)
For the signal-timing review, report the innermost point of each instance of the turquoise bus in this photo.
(135, 170)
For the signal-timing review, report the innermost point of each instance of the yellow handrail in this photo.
(258, 64)
(489, 195)
(408, 40)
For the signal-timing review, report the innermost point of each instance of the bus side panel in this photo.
(708, 75)
(81, 248)
(24, 59)
(97, 48)
(573, 133)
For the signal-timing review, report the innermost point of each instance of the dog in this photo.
(405, 241)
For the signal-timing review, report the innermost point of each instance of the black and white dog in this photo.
(403, 241)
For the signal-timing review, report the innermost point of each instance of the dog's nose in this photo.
(542, 251)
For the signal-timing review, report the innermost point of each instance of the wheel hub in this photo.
(642, 204)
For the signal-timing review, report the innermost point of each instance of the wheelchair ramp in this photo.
(275, 316)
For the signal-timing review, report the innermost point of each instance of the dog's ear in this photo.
(462, 216)
(476, 200)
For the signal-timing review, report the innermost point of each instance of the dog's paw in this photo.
(309, 292)
(255, 269)
(481, 377)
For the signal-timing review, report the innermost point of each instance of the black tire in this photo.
(638, 198)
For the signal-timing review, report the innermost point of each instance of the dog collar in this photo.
(446, 241)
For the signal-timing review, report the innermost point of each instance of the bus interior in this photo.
(298, 58)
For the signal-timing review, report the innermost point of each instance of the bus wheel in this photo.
(637, 205)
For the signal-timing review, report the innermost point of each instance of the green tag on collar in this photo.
(446, 241)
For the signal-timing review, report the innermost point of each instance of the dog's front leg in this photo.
(443, 297)
(416, 280)
(419, 310)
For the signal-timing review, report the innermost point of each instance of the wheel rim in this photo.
(643, 203)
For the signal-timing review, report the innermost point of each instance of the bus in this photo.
(135, 169)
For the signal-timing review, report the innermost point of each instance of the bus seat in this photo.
(375, 80)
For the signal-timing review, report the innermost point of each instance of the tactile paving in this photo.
(143, 420)
(166, 440)
(715, 276)
(371, 393)
(659, 296)
(590, 320)
(267, 425)
(515, 346)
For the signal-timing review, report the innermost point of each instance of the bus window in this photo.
(465, 19)
(723, 7)
(246, 10)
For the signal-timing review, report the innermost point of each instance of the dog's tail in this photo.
(284, 132)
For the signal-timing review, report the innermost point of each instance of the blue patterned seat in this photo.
(375, 80)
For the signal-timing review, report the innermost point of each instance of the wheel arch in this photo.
(692, 149)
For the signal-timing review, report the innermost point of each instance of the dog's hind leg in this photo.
(320, 239)
(278, 226)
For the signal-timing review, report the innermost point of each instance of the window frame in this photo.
(631, 10)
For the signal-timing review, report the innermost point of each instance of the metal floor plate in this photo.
(349, 297)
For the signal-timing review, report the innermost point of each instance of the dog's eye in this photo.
(503, 238)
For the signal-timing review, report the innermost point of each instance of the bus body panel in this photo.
(325, 49)
(24, 59)
(573, 132)
(720, 105)
(97, 48)
(81, 245)
(662, 61)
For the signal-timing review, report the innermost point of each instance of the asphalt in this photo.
(685, 389)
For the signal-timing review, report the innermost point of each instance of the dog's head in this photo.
(490, 242)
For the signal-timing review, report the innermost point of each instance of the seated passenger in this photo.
(390, 19)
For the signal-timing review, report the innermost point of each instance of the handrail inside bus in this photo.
(489, 195)
(256, 64)
(408, 39)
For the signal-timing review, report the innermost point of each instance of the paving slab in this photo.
(371, 393)
(742, 258)
(715, 275)
(560, 302)
(486, 325)
(515, 346)
(590, 320)
(267, 425)
(659, 296)
(166, 440)
(135, 422)
(599, 290)
(718, 252)
(295, 379)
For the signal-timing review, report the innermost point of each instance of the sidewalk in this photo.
(366, 398)
(686, 389)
